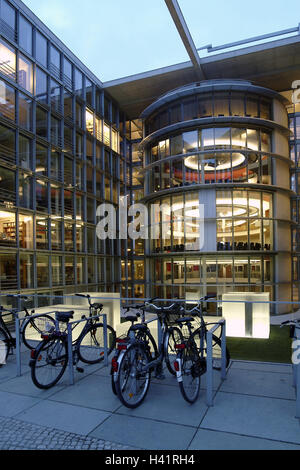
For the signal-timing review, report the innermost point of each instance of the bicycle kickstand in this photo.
(159, 373)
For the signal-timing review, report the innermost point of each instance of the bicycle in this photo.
(49, 360)
(32, 328)
(7, 342)
(133, 364)
(190, 364)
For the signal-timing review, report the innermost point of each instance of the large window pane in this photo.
(25, 112)
(78, 83)
(8, 17)
(26, 271)
(7, 187)
(41, 196)
(8, 272)
(68, 78)
(26, 231)
(41, 122)
(42, 237)
(41, 91)
(55, 61)
(25, 153)
(25, 75)
(7, 60)
(55, 96)
(41, 160)
(7, 101)
(41, 49)
(56, 266)
(42, 268)
(8, 235)
(25, 34)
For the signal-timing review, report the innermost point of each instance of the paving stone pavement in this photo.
(18, 435)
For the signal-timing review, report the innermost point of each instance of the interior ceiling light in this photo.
(218, 162)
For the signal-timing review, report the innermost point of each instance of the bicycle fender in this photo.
(119, 360)
(179, 372)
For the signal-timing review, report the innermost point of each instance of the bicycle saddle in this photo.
(184, 320)
(131, 318)
(139, 327)
(64, 317)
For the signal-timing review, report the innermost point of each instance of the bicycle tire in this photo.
(90, 346)
(32, 338)
(170, 350)
(51, 353)
(217, 346)
(189, 383)
(4, 347)
(130, 392)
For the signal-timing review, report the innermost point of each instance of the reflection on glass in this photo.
(7, 60)
(25, 74)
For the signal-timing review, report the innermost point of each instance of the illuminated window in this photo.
(7, 60)
(25, 74)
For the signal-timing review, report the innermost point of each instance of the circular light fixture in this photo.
(212, 162)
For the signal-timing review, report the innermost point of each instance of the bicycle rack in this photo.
(209, 360)
(296, 376)
(70, 343)
(18, 320)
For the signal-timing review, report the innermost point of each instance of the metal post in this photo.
(209, 370)
(18, 345)
(223, 351)
(105, 339)
(70, 355)
(297, 367)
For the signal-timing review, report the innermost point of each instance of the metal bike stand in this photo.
(70, 343)
(18, 344)
(209, 360)
(296, 377)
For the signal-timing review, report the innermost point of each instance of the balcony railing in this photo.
(7, 154)
(7, 197)
(7, 70)
(54, 70)
(8, 282)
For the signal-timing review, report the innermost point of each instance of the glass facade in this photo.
(55, 134)
(66, 146)
(233, 172)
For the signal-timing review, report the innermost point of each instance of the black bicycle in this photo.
(7, 342)
(134, 362)
(191, 363)
(50, 359)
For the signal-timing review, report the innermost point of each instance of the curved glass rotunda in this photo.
(223, 144)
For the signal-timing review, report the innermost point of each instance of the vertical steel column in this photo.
(223, 351)
(297, 367)
(105, 339)
(18, 345)
(70, 355)
(209, 370)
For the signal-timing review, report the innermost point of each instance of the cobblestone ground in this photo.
(18, 435)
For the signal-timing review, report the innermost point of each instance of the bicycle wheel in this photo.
(33, 328)
(4, 347)
(174, 336)
(133, 382)
(49, 363)
(91, 345)
(189, 382)
(217, 349)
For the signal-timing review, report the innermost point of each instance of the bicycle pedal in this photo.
(80, 370)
